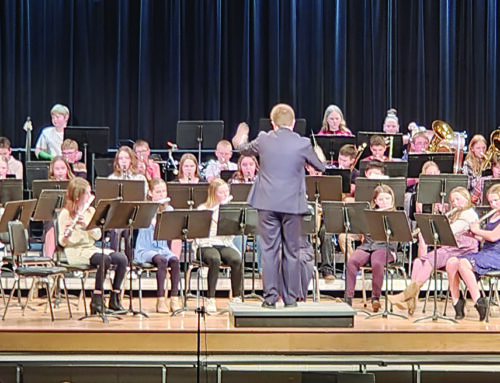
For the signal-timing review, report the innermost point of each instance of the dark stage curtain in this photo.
(140, 66)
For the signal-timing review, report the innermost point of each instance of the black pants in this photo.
(119, 260)
(175, 274)
(213, 257)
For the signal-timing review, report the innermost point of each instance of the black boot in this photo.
(97, 304)
(459, 308)
(114, 302)
(481, 307)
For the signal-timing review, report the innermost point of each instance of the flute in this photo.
(417, 230)
(482, 219)
(74, 221)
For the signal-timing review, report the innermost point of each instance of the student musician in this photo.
(373, 252)
(223, 152)
(50, 139)
(125, 167)
(377, 149)
(461, 215)
(469, 266)
(60, 170)
(151, 167)
(188, 169)
(79, 244)
(391, 122)
(4, 167)
(157, 252)
(219, 249)
(420, 143)
(15, 166)
(474, 160)
(72, 155)
(248, 166)
(477, 195)
(334, 123)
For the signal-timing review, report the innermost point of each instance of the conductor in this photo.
(279, 195)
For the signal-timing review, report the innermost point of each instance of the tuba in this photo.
(443, 134)
(493, 149)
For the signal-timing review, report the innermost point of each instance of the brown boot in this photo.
(400, 300)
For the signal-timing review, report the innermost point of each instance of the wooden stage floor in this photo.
(162, 334)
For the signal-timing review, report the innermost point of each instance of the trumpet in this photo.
(359, 153)
(74, 221)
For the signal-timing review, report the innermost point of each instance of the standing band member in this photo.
(279, 195)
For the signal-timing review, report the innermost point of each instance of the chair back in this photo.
(18, 238)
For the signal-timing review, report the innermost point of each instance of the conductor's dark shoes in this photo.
(291, 305)
(267, 305)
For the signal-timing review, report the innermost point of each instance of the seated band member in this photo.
(334, 123)
(248, 167)
(72, 155)
(377, 149)
(4, 167)
(420, 143)
(477, 195)
(79, 244)
(157, 252)
(188, 170)
(14, 166)
(461, 216)
(373, 252)
(391, 122)
(151, 168)
(219, 249)
(223, 152)
(50, 139)
(60, 170)
(474, 160)
(467, 267)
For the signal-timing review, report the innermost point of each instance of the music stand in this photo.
(347, 218)
(487, 183)
(100, 220)
(300, 125)
(436, 188)
(184, 224)
(103, 167)
(331, 145)
(444, 161)
(240, 191)
(94, 140)
(187, 196)
(394, 168)
(199, 134)
(345, 174)
(36, 170)
(240, 219)
(436, 230)
(17, 211)
(366, 186)
(388, 226)
(48, 202)
(131, 216)
(11, 190)
(127, 190)
(226, 175)
(397, 144)
(39, 185)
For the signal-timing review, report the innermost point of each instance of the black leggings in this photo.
(175, 274)
(213, 257)
(119, 260)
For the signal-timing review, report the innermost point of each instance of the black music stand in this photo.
(131, 216)
(395, 168)
(187, 196)
(487, 183)
(436, 230)
(226, 175)
(320, 189)
(347, 218)
(199, 134)
(240, 191)
(345, 174)
(94, 140)
(101, 220)
(103, 167)
(36, 170)
(127, 190)
(436, 188)
(39, 185)
(240, 219)
(48, 201)
(388, 226)
(17, 211)
(444, 161)
(331, 145)
(366, 186)
(397, 144)
(11, 190)
(184, 224)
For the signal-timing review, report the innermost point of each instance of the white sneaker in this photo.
(204, 272)
(236, 300)
(210, 304)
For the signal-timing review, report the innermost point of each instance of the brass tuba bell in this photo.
(443, 134)
(493, 149)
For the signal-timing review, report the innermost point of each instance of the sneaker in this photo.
(236, 300)
(203, 272)
(175, 304)
(329, 278)
(210, 304)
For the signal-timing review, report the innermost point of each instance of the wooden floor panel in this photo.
(34, 332)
